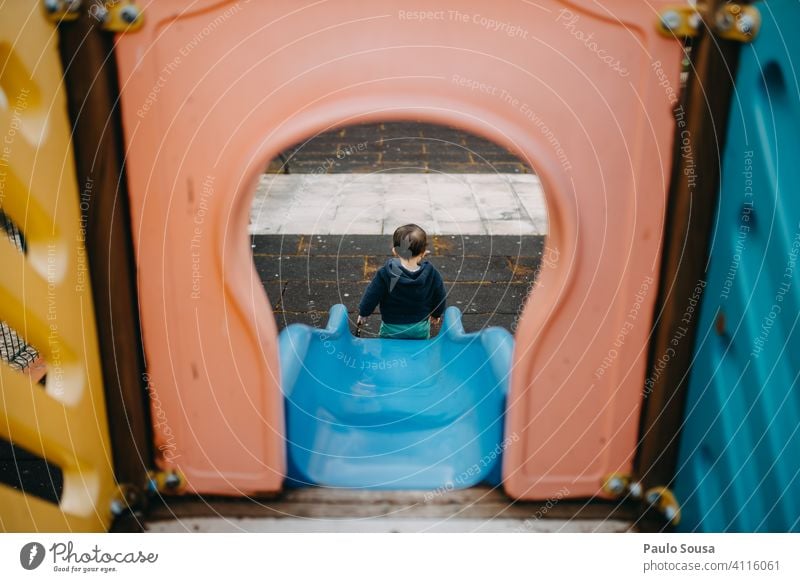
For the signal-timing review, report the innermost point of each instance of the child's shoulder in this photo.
(390, 266)
(433, 268)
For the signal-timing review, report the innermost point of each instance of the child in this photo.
(408, 288)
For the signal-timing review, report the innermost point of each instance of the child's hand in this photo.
(435, 327)
(361, 320)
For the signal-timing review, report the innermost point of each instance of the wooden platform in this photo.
(479, 509)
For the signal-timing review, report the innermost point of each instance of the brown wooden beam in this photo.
(92, 92)
(324, 503)
(701, 124)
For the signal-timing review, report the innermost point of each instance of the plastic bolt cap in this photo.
(129, 14)
(745, 24)
(724, 20)
(671, 20)
(670, 512)
(117, 507)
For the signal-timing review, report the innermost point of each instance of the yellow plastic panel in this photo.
(45, 293)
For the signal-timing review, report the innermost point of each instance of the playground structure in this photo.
(574, 426)
(210, 91)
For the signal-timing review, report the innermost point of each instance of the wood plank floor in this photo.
(322, 509)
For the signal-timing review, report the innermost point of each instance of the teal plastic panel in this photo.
(739, 464)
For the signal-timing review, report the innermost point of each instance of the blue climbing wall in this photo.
(739, 462)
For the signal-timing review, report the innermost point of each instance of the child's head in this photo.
(409, 241)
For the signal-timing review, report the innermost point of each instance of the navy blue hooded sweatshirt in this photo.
(404, 296)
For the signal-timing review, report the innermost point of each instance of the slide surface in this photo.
(394, 414)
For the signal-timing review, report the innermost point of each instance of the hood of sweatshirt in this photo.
(399, 275)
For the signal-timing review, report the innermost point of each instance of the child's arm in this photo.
(372, 296)
(439, 297)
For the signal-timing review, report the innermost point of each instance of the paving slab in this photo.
(469, 268)
(310, 268)
(412, 146)
(513, 246)
(473, 298)
(301, 296)
(376, 203)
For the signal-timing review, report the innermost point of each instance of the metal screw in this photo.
(99, 13)
(52, 5)
(118, 507)
(724, 20)
(615, 485)
(746, 24)
(73, 5)
(694, 20)
(635, 489)
(129, 14)
(670, 512)
(152, 486)
(172, 481)
(671, 20)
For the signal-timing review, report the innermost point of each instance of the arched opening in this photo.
(383, 413)
(324, 212)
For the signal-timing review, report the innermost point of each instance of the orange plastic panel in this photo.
(582, 90)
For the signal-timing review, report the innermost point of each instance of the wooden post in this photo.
(701, 124)
(92, 88)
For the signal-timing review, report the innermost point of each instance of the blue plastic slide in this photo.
(394, 414)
